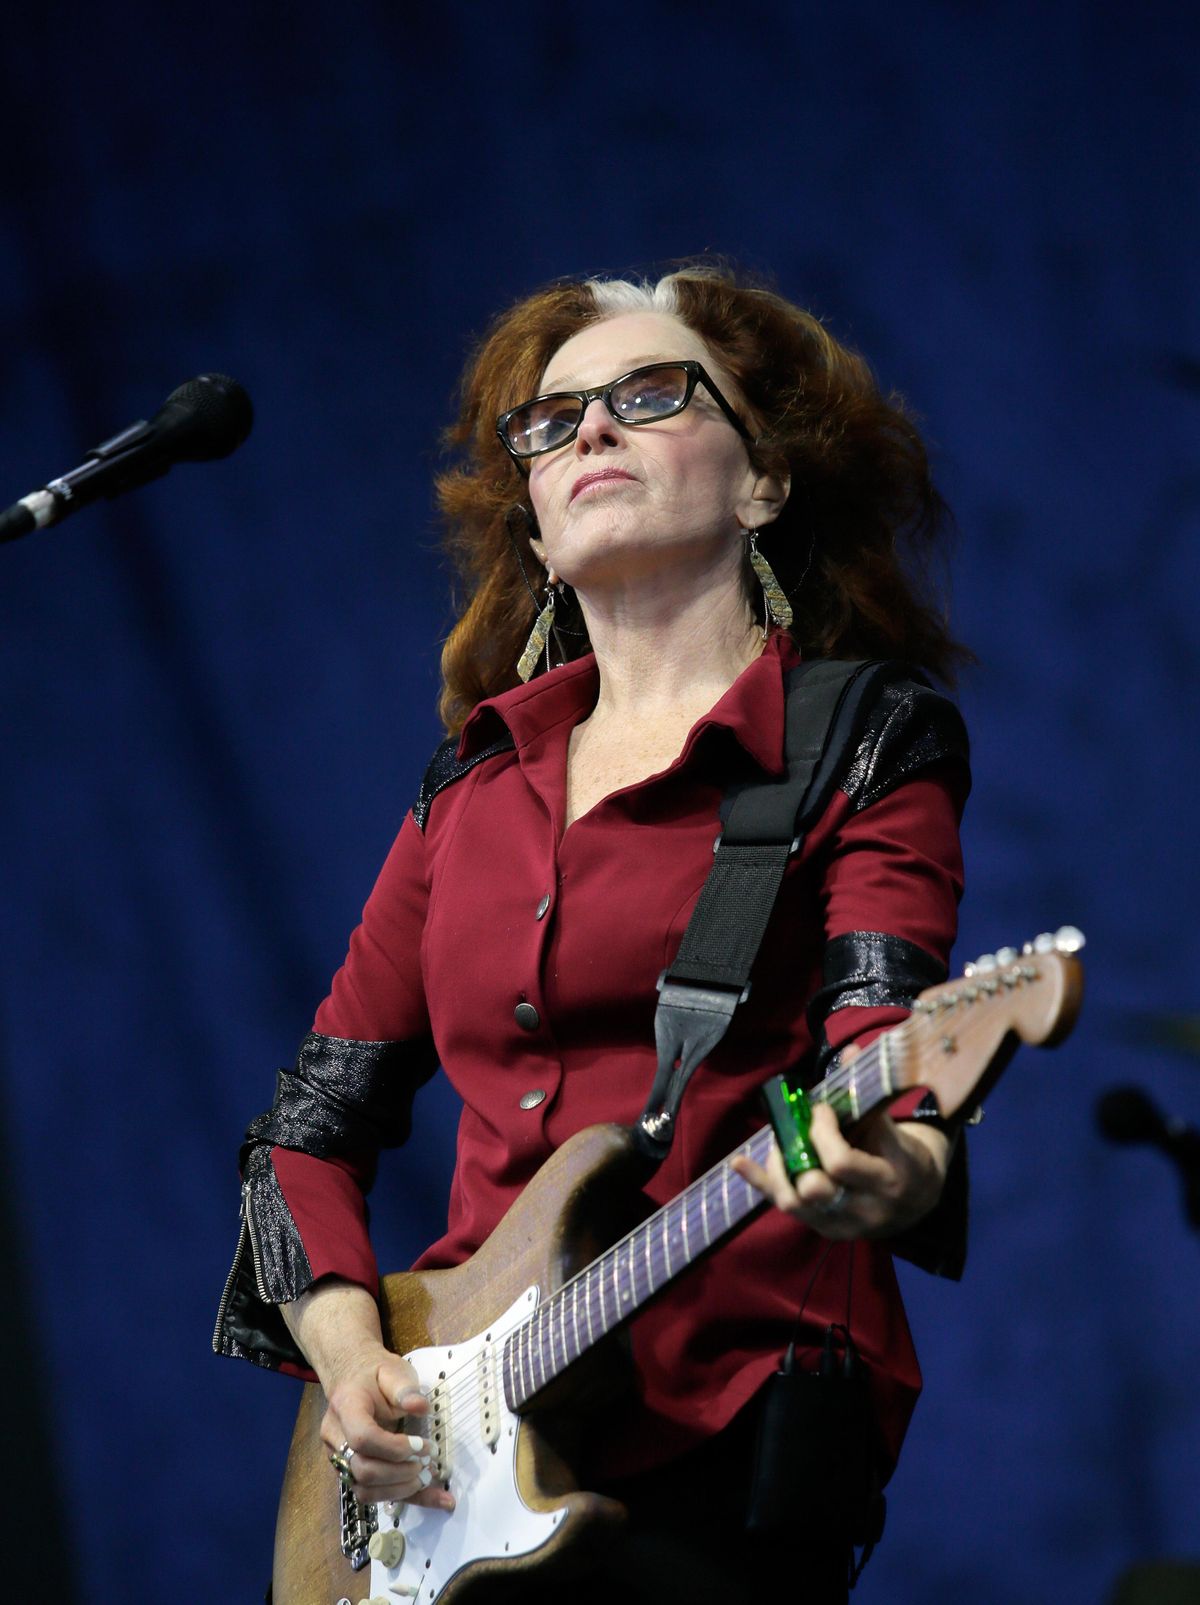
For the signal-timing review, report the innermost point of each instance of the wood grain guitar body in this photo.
(518, 1504)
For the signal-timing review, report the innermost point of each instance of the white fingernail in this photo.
(426, 1478)
(417, 1443)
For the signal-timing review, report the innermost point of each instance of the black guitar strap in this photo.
(763, 824)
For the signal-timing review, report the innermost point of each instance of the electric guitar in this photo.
(496, 1341)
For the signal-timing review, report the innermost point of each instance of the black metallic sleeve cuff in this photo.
(270, 1267)
(281, 1266)
(344, 1099)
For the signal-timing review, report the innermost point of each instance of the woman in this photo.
(684, 441)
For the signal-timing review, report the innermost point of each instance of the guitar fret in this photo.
(885, 1068)
(525, 1362)
(683, 1221)
(704, 1213)
(539, 1352)
(667, 1242)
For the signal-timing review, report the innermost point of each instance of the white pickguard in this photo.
(491, 1519)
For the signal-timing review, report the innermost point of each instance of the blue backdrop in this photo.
(217, 694)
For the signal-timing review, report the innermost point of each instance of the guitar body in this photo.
(518, 1504)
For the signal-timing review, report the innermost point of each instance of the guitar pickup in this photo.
(489, 1395)
(436, 1426)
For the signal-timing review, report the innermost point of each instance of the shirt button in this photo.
(527, 1017)
(542, 907)
(531, 1099)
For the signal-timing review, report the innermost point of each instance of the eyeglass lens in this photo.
(642, 396)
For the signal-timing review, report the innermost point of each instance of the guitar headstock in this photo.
(963, 1032)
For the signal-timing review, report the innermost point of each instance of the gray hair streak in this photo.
(616, 296)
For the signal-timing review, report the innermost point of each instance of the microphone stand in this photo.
(1126, 1115)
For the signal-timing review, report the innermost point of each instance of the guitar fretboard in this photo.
(626, 1276)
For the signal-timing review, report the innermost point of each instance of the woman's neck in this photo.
(669, 648)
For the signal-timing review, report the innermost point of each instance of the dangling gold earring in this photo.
(775, 603)
(538, 637)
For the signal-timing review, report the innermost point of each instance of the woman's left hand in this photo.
(887, 1178)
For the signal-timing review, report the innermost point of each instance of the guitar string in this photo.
(461, 1383)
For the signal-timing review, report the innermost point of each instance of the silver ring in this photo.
(340, 1460)
(836, 1204)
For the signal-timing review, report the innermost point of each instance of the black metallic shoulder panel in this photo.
(910, 728)
(445, 767)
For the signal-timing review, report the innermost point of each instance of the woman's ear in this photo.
(768, 496)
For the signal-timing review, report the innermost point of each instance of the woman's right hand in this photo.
(368, 1397)
(368, 1391)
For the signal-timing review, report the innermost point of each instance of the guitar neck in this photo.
(628, 1275)
(956, 1041)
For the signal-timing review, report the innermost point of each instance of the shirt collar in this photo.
(528, 711)
(752, 710)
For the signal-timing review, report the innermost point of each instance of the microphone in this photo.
(207, 417)
(1127, 1115)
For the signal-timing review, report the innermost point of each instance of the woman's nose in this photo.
(598, 429)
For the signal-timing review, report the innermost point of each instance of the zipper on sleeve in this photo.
(223, 1307)
(248, 1212)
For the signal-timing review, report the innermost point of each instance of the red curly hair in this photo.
(850, 547)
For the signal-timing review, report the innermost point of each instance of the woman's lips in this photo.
(585, 481)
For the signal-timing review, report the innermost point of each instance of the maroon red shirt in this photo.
(531, 954)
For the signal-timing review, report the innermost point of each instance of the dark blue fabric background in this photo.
(217, 695)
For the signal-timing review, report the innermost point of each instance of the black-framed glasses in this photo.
(659, 390)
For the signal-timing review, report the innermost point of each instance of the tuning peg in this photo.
(1006, 955)
(1069, 939)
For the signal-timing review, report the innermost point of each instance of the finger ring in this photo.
(836, 1204)
(340, 1460)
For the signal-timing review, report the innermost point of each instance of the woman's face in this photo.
(623, 502)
